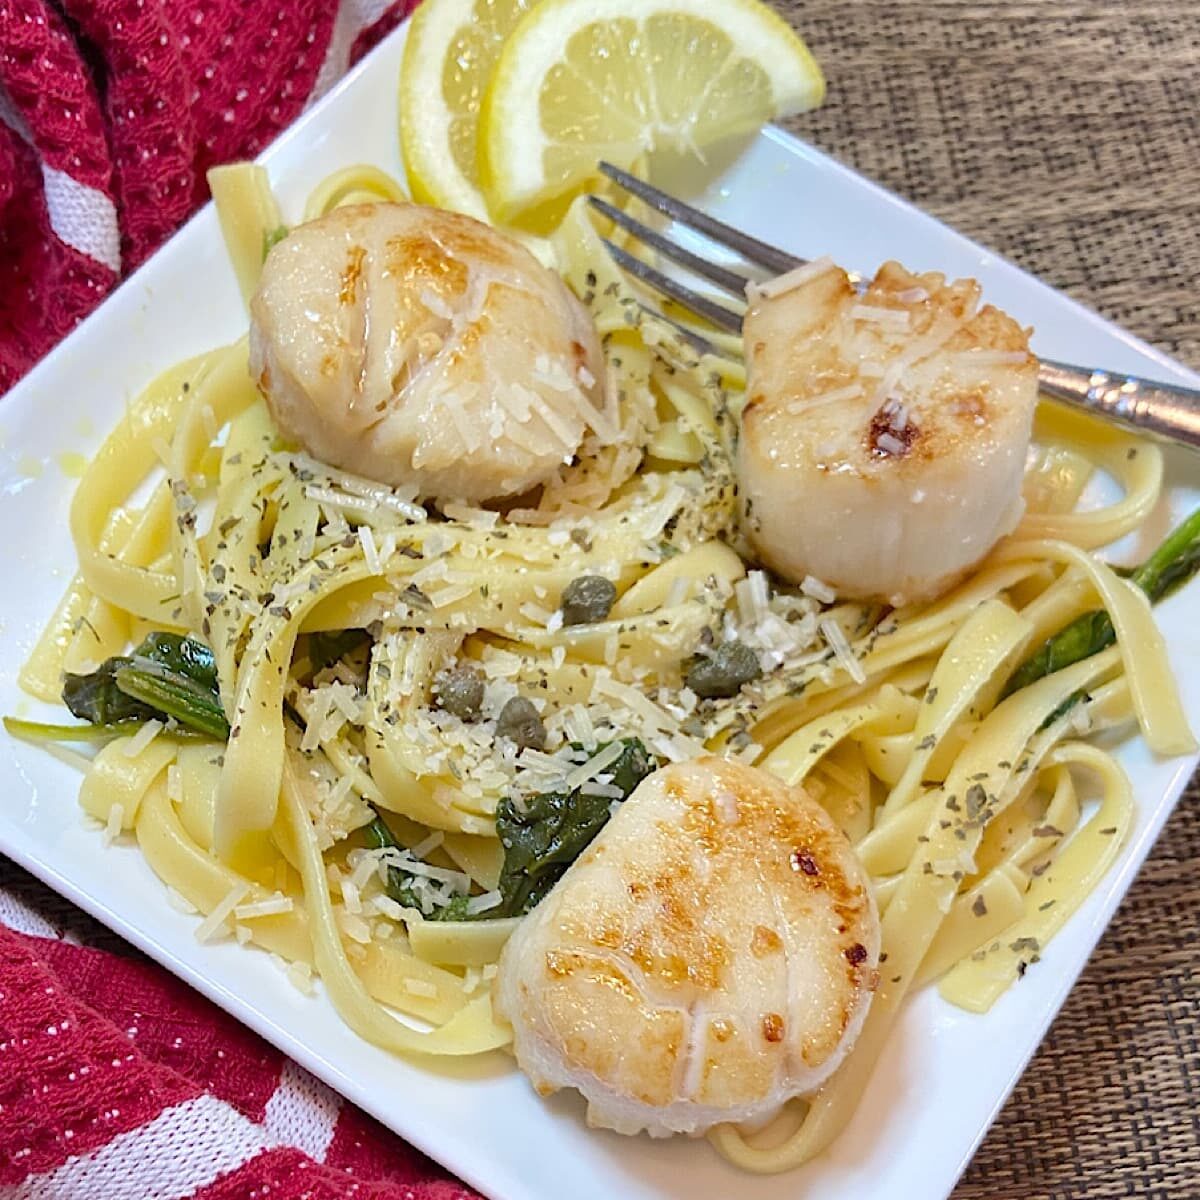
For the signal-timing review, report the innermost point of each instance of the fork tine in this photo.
(729, 281)
(700, 344)
(720, 316)
(761, 253)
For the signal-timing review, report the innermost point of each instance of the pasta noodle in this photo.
(965, 808)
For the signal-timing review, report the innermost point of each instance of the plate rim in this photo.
(1118, 881)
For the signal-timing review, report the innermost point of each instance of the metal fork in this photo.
(1163, 409)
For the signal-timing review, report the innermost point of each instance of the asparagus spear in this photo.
(1175, 561)
(42, 731)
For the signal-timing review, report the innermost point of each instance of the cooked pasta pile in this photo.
(337, 609)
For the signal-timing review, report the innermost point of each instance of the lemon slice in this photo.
(451, 49)
(584, 80)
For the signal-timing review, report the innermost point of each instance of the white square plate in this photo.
(945, 1073)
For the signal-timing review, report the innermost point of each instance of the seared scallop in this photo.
(884, 436)
(712, 954)
(417, 346)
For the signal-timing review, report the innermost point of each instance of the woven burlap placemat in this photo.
(1065, 135)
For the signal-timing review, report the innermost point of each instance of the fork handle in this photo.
(1167, 410)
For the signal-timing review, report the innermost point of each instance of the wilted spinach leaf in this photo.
(554, 828)
(97, 698)
(324, 649)
(540, 842)
(166, 676)
(399, 883)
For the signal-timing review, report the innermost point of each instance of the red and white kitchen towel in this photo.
(116, 1080)
(111, 111)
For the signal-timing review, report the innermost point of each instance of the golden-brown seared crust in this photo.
(818, 358)
(865, 407)
(404, 343)
(710, 950)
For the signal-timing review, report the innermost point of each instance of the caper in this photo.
(587, 599)
(460, 691)
(519, 722)
(721, 674)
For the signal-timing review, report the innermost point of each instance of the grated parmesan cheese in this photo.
(942, 330)
(437, 571)
(428, 845)
(577, 724)
(459, 881)
(467, 429)
(421, 987)
(818, 590)
(566, 432)
(300, 976)
(363, 865)
(388, 907)
(535, 613)
(350, 897)
(367, 540)
(370, 504)
(116, 815)
(790, 280)
(594, 765)
(604, 791)
(749, 753)
(681, 587)
(478, 904)
(892, 318)
(354, 927)
(477, 518)
(140, 740)
(654, 720)
(657, 515)
(451, 594)
(836, 639)
(272, 906)
(221, 912)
